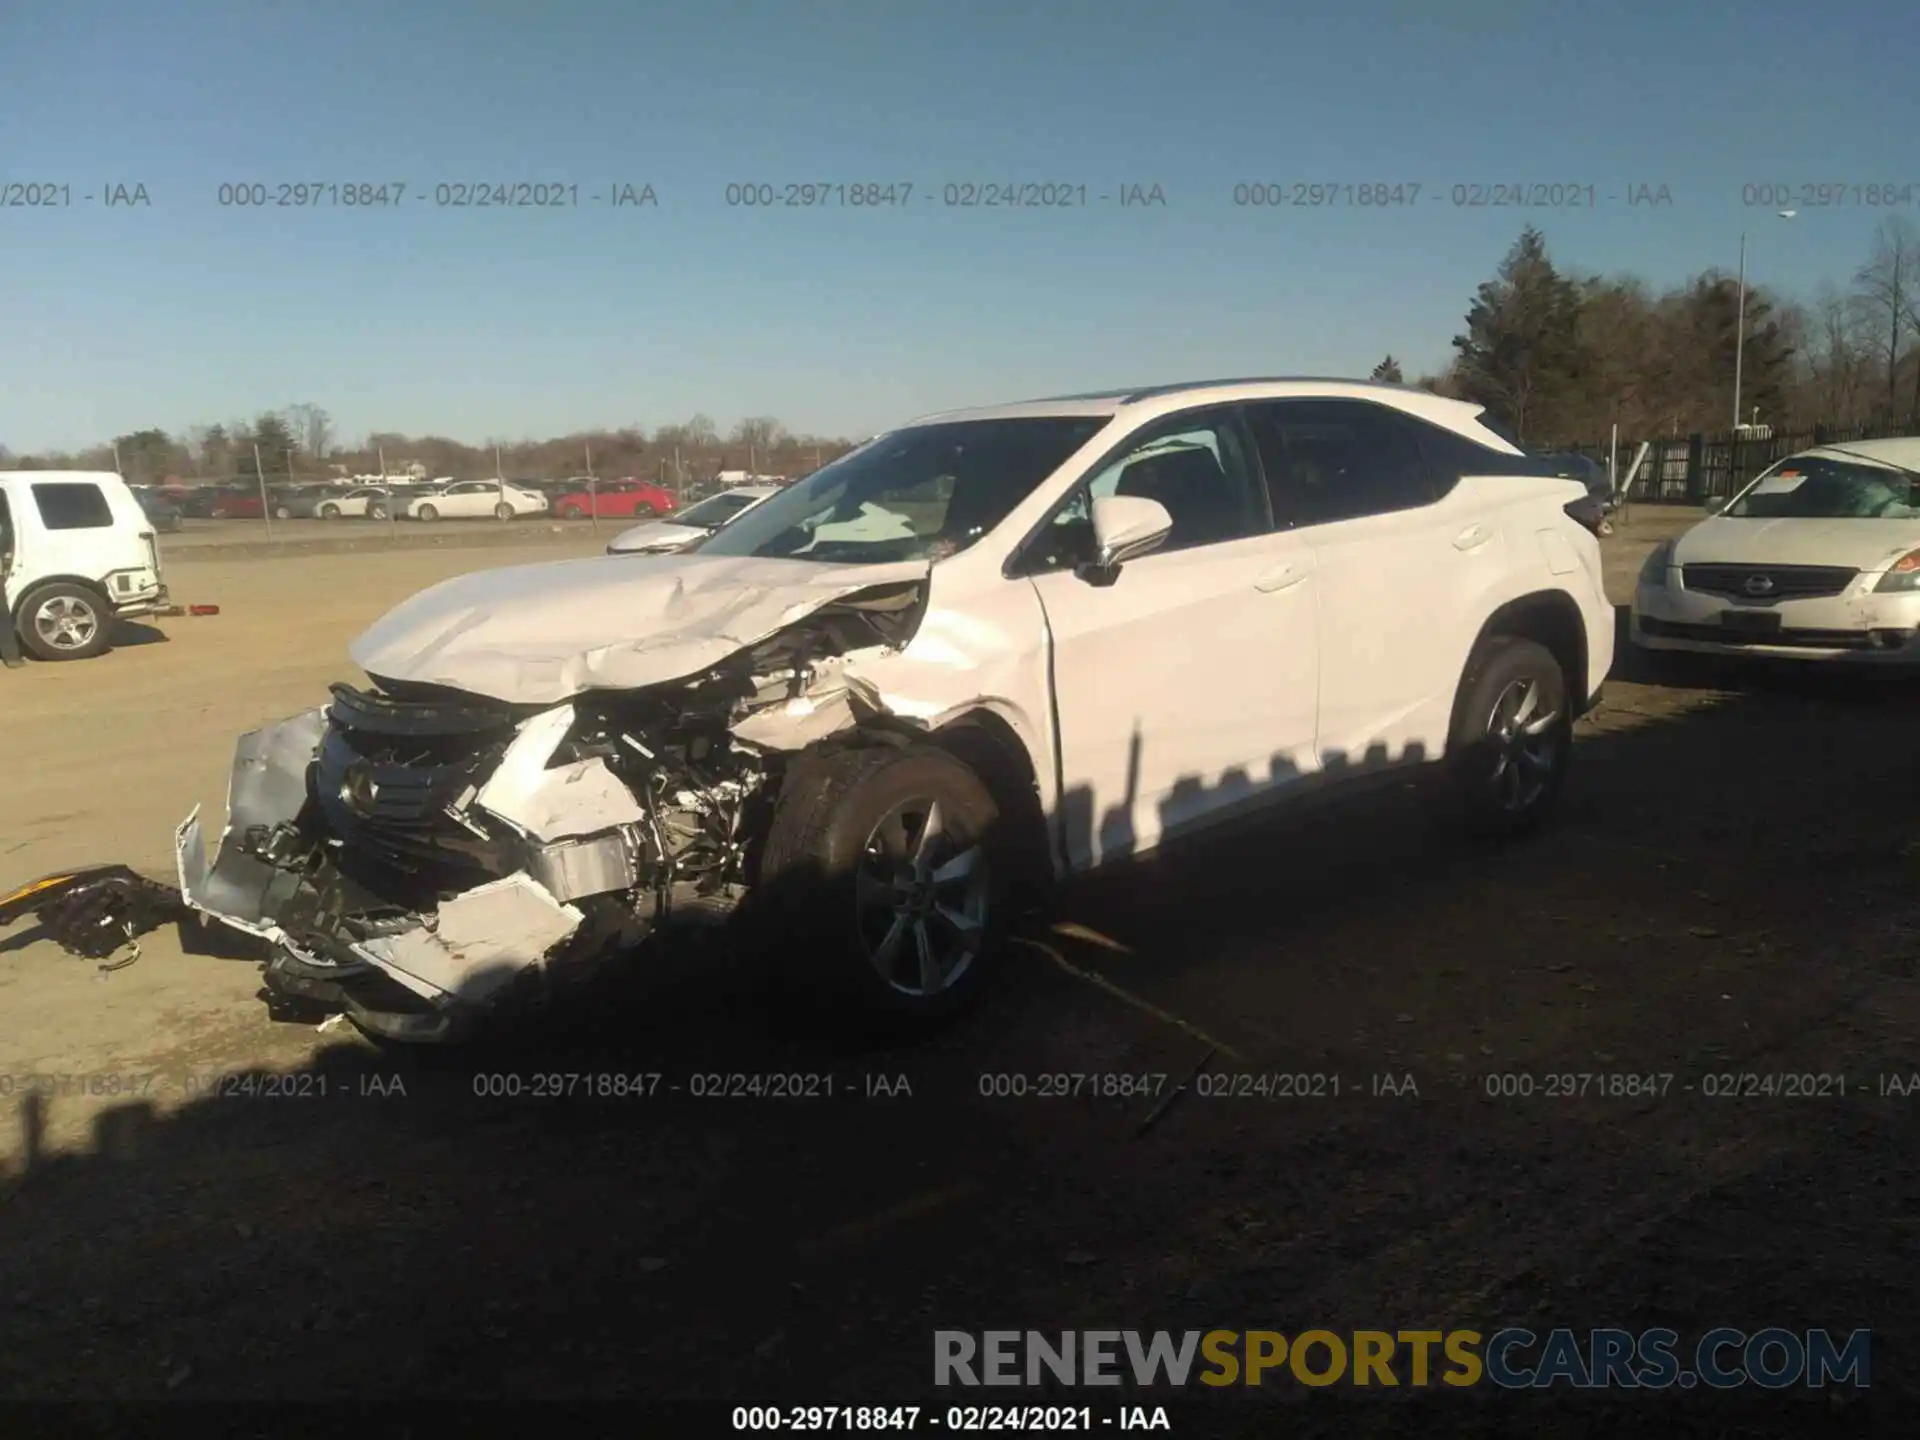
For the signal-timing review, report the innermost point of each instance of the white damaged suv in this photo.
(1089, 625)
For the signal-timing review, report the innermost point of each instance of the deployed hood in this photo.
(658, 533)
(541, 634)
(1861, 544)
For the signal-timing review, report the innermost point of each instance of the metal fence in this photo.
(1693, 469)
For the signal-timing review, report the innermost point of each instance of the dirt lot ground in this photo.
(1729, 889)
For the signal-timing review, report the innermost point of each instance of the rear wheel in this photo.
(377, 510)
(281, 512)
(571, 512)
(425, 512)
(64, 621)
(329, 511)
(1512, 737)
(884, 874)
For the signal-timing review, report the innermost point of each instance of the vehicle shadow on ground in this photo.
(465, 1228)
(129, 633)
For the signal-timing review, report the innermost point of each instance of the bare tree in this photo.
(1889, 288)
(1839, 357)
(312, 429)
(759, 434)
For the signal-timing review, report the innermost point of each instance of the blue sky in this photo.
(511, 323)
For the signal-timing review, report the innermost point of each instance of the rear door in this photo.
(472, 498)
(1398, 560)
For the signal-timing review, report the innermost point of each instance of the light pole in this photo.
(1740, 326)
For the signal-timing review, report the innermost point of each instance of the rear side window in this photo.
(1330, 460)
(72, 505)
(1450, 456)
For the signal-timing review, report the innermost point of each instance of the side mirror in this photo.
(1125, 527)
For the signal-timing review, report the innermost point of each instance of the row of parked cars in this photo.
(429, 500)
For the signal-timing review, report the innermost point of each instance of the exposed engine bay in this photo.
(416, 856)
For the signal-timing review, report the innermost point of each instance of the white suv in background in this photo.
(77, 551)
(987, 650)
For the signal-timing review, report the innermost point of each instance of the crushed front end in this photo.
(419, 857)
(414, 858)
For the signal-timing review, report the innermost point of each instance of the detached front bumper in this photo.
(1866, 629)
(287, 875)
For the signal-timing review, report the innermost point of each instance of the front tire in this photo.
(281, 512)
(884, 873)
(425, 512)
(1512, 738)
(329, 511)
(571, 512)
(376, 511)
(503, 511)
(65, 622)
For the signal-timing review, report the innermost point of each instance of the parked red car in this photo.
(619, 499)
(240, 502)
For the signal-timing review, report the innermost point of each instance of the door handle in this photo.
(1281, 577)
(1472, 538)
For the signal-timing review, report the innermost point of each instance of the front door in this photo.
(1187, 685)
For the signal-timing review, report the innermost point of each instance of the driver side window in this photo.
(1195, 465)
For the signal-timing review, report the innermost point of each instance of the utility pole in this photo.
(1740, 332)
(392, 500)
(593, 488)
(260, 474)
(1740, 326)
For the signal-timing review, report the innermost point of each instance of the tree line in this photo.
(1558, 356)
(299, 443)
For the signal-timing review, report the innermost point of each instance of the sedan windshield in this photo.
(1820, 487)
(921, 493)
(715, 510)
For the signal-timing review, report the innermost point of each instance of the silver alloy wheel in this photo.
(66, 622)
(921, 900)
(1526, 742)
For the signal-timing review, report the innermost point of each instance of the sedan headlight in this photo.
(1658, 562)
(1903, 574)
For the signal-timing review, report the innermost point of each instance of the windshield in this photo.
(921, 493)
(715, 510)
(1819, 487)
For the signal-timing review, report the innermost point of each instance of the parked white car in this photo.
(77, 551)
(1817, 559)
(358, 502)
(693, 524)
(473, 499)
(1092, 625)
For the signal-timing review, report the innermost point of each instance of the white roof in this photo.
(58, 475)
(1903, 451)
(1150, 402)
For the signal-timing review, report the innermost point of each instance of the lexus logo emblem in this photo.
(359, 792)
(1759, 585)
